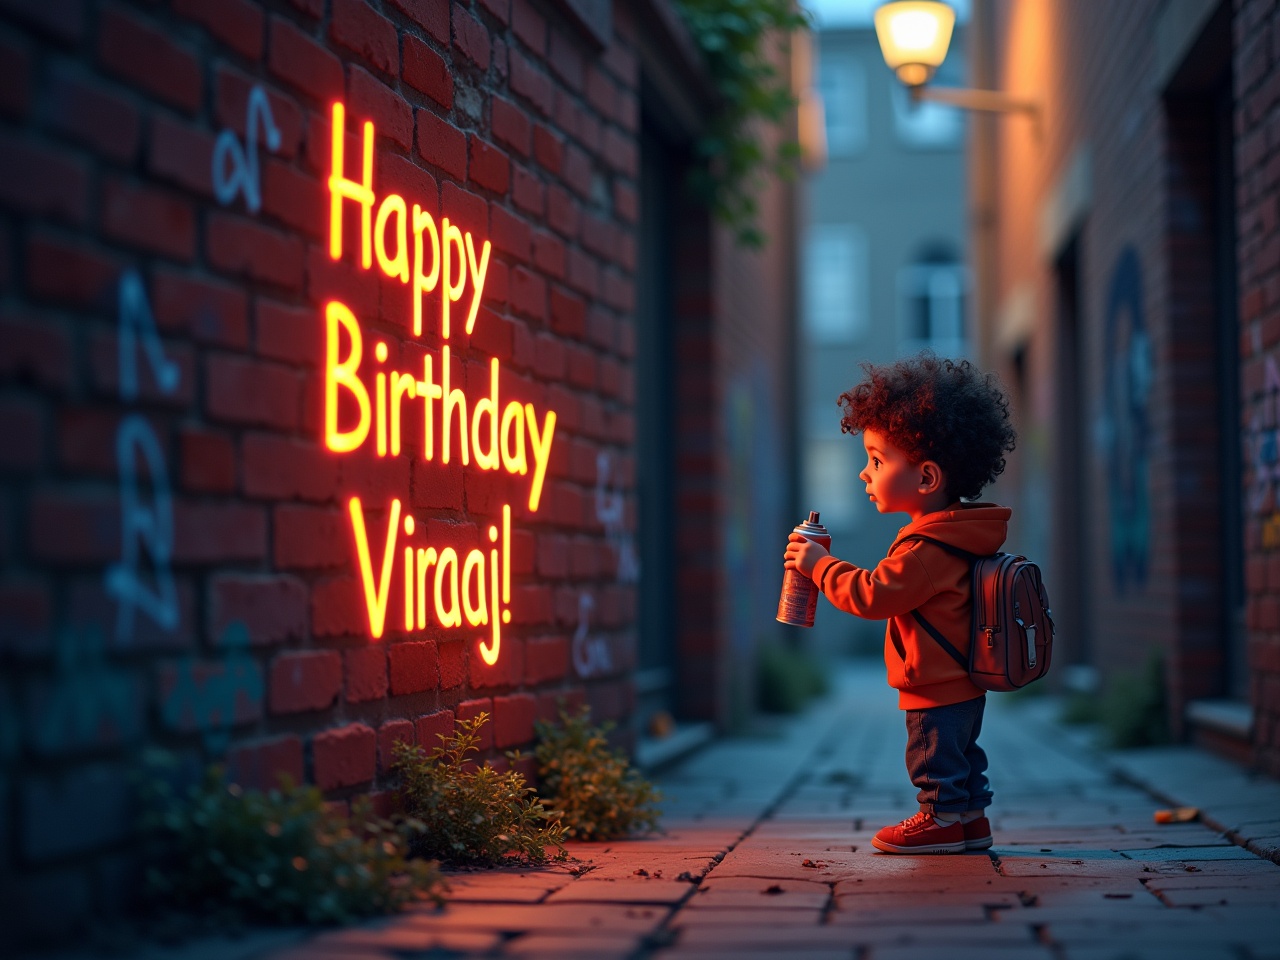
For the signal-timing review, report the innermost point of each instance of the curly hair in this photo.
(936, 409)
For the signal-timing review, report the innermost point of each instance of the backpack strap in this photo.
(933, 631)
(943, 642)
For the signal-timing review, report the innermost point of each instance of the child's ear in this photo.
(931, 478)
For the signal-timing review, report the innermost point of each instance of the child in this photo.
(935, 432)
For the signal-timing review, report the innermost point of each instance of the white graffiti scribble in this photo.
(610, 511)
(146, 522)
(235, 165)
(590, 654)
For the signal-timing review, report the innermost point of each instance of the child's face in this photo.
(893, 481)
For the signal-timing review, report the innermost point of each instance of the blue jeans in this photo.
(944, 759)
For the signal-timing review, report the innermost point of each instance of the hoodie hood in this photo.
(976, 527)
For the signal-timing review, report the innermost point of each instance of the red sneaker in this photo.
(921, 834)
(977, 834)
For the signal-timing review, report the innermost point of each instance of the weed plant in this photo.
(471, 814)
(595, 790)
(280, 856)
(786, 678)
(1134, 709)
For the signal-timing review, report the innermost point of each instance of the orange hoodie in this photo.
(921, 576)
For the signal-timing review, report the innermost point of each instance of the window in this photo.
(831, 480)
(842, 81)
(931, 126)
(932, 294)
(835, 284)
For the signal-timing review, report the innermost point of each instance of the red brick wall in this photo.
(1257, 83)
(205, 477)
(1150, 194)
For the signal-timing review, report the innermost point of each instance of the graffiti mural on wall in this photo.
(142, 581)
(235, 164)
(1262, 454)
(1124, 422)
(591, 654)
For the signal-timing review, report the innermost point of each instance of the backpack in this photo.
(1011, 639)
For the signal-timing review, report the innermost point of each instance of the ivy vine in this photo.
(733, 36)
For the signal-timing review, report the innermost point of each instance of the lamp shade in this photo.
(914, 36)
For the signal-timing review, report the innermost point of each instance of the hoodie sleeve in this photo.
(899, 584)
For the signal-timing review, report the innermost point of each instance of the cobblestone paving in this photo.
(767, 854)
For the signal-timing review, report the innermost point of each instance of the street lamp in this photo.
(914, 36)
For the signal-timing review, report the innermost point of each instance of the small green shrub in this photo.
(787, 678)
(1133, 709)
(472, 814)
(280, 856)
(1080, 708)
(596, 791)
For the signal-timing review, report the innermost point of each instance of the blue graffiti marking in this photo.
(144, 525)
(206, 699)
(235, 165)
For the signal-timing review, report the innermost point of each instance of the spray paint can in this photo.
(799, 600)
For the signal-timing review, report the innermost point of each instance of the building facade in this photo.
(1126, 255)
(366, 366)
(885, 272)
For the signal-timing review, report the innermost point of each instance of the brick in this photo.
(207, 461)
(237, 23)
(261, 764)
(466, 209)
(442, 144)
(289, 334)
(513, 718)
(469, 710)
(470, 37)
(623, 63)
(415, 667)
(389, 734)
(531, 84)
(562, 212)
(283, 468)
(628, 112)
(626, 202)
(148, 219)
(501, 9)
(43, 181)
(242, 248)
(23, 427)
(431, 15)
(366, 672)
(578, 171)
(272, 607)
(337, 606)
(86, 111)
(367, 33)
(489, 166)
(295, 198)
(545, 659)
(250, 392)
(601, 93)
(509, 233)
(527, 192)
(620, 153)
(303, 63)
(425, 70)
(206, 310)
(431, 727)
(568, 313)
(528, 294)
(453, 664)
(304, 681)
(530, 27)
(65, 527)
(311, 538)
(549, 254)
(368, 97)
(204, 695)
(146, 56)
(548, 149)
(38, 353)
(218, 532)
(510, 126)
(565, 59)
(345, 756)
(180, 154)
(584, 273)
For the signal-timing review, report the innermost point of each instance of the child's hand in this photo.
(803, 554)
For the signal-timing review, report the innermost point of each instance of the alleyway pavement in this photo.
(767, 854)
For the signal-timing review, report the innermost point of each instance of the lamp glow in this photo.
(914, 36)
